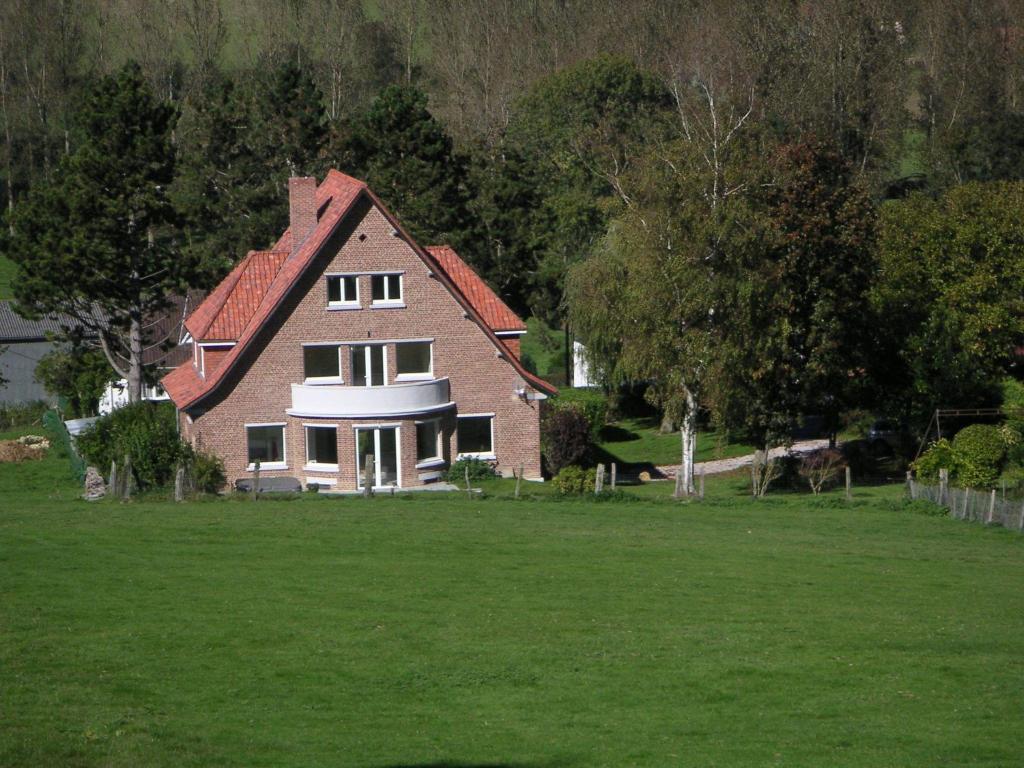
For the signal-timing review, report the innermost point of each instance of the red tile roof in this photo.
(486, 302)
(248, 296)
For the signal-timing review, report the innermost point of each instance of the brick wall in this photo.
(258, 390)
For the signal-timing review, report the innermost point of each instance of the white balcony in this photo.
(344, 402)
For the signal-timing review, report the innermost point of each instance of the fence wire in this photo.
(988, 507)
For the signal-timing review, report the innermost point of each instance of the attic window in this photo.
(386, 289)
(342, 291)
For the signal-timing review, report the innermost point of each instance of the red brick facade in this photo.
(484, 377)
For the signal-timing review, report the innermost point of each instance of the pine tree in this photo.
(97, 243)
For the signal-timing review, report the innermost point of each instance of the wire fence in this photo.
(987, 507)
(57, 429)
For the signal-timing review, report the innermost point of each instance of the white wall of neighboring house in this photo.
(116, 395)
(581, 373)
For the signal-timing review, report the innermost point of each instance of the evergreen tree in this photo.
(97, 243)
(406, 157)
(240, 148)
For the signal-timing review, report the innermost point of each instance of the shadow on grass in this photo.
(457, 764)
(628, 473)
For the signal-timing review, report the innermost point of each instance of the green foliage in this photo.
(980, 449)
(574, 481)
(478, 470)
(145, 432)
(592, 403)
(940, 455)
(565, 437)
(407, 158)
(76, 374)
(22, 414)
(950, 295)
(241, 144)
(207, 472)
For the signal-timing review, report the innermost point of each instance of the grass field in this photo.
(443, 631)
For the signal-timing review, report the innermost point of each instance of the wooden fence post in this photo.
(910, 484)
(613, 475)
(678, 493)
(1020, 525)
(179, 484)
(700, 485)
(368, 475)
(126, 484)
(469, 490)
(519, 479)
(849, 478)
(991, 507)
(599, 479)
(112, 488)
(943, 486)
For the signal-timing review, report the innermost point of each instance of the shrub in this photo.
(940, 455)
(979, 449)
(821, 468)
(590, 402)
(147, 433)
(565, 438)
(574, 480)
(478, 470)
(207, 472)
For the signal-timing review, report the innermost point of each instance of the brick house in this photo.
(348, 339)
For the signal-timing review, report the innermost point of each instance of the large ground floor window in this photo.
(475, 435)
(428, 441)
(266, 445)
(322, 446)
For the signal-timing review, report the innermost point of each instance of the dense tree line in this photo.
(751, 202)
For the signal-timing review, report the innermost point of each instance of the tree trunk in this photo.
(668, 425)
(135, 357)
(688, 439)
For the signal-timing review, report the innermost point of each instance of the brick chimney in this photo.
(301, 208)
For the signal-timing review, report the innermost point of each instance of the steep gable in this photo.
(495, 312)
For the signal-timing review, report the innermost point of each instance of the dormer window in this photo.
(342, 291)
(386, 290)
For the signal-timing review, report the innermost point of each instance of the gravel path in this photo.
(727, 465)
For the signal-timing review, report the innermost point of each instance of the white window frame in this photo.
(343, 304)
(321, 379)
(487, 456)
(397, 426)
(284, 445)
(427, 375)
(366, 361)
(386, 301)
(438, 457)
(316, 466)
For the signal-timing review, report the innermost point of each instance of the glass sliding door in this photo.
(382, 444)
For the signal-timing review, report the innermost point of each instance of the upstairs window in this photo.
(475, 435)
(386, 289)
(413, 360)
(342, 291)
(322, 362)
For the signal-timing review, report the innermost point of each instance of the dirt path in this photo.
(727, 465)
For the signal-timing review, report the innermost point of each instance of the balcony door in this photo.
(369, 365)
(382, 444)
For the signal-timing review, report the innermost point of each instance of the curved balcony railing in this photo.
(339, 401)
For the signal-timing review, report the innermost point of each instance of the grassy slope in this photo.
(638, 441)
(439, 631)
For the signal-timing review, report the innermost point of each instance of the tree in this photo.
(949, 297)
(76, 373)
(97, 243)
(405, 155)
(240, 146)
(581, 131)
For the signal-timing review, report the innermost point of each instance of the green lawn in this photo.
(7, 270)
(443, 631)
(638, 441)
